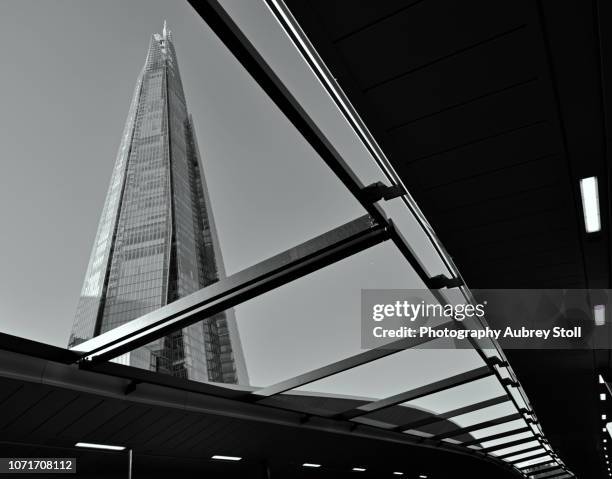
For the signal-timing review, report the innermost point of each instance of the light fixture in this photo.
(590, 204)
(398, 473)
(99, 446)
(599, 315)
(359, 469)
(602, 396)
(600, 379)
(310, 464)
(423, 476)
(226, 458)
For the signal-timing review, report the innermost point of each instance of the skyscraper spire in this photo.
(157, 200)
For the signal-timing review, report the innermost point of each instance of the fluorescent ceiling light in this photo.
(423, 476)
(599, 313)
(398, 473)
(99, 446)
(602, 396)
(226, 458)
(359, 469)
(590, 204)
(309, 464)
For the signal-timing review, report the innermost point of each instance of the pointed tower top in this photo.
(164, 32)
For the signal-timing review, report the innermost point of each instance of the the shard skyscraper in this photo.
(156, 240)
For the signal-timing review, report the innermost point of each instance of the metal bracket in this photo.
(441, 281)
(497, 361)
(130, 388)
(379, 191)
(509, 382)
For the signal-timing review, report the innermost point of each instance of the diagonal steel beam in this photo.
(550, 468)
(529, 458)
(244, 51)
(518, 442)
(326, 249)
(546, 467)
(500, 435)
(416, 393)
(550, 475)
(522, 451)
(455, 412)
(481, 425)
(343, 365)
(541, 460)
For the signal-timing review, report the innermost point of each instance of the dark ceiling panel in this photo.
(519, 146)
(491, 69)
(477, 121)
(126, 419)
(419, 36)
(35, 417)
(92, 419)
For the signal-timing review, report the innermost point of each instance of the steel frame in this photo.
(310, 256)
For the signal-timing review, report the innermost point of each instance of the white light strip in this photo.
(599, 314)
(226, 458)
(590, 204)
(398, 473)
(359, 469)
(99, 446)
(310, 464)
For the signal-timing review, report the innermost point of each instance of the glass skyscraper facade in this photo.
(156, 240)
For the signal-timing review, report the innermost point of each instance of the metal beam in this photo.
(16, 344)
(522, 451)
(529, 458)
(243, 50)
(426, 390)
(500, 435)
(542, 461)
(481, 425)
(343, 365)
(556, 474)
(518, 442)
(550, 466)
(294, 263)
(455, 412)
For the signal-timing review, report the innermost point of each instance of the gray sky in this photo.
(69, 71)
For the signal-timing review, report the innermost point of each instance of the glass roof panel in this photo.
(525, 455)
(400, 372)
(508, 426)
(460, 396)
(533, 461)
(509, 439)
(485, 414)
